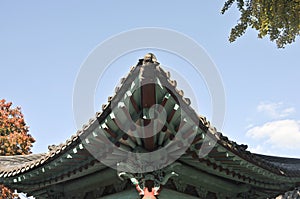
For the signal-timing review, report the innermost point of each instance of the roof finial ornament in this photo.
(149, 58)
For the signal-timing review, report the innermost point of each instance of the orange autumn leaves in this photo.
(14, 137)
(5, 192)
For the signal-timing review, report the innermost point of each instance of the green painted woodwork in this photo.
(72, 170)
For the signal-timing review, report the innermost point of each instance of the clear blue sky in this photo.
(43, 44)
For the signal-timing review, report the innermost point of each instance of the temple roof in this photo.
(19, 161)
(228, 168)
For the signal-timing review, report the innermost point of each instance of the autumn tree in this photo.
(278, 19)
(14, 136)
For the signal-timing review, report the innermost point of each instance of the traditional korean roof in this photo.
(229, 170)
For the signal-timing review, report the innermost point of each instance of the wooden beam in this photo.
(211, 182)
(148, 99)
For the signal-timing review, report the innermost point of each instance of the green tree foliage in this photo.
(279, 19)
(14, 137)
